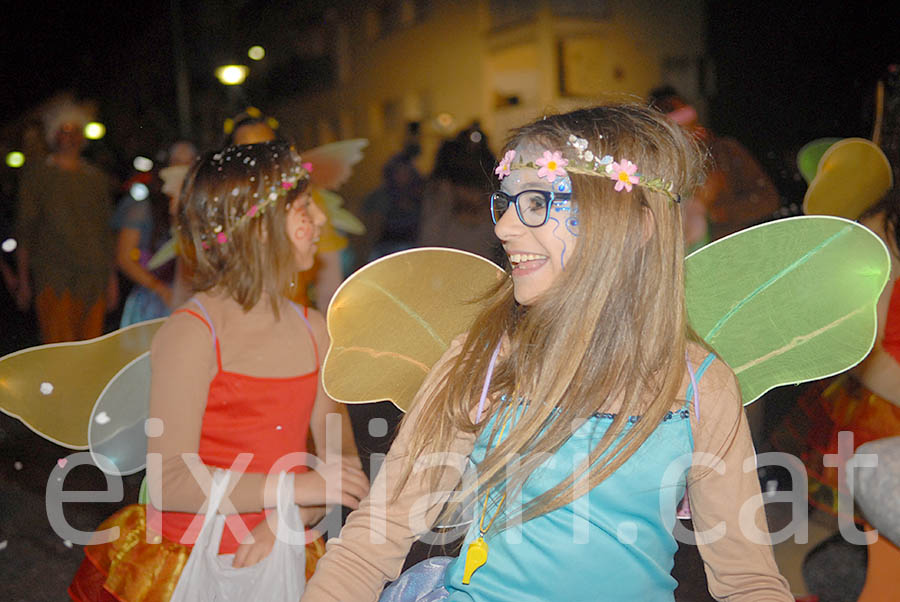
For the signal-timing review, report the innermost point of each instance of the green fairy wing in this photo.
(788, 301)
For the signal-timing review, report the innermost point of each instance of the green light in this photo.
(94, 130)
(15, 159)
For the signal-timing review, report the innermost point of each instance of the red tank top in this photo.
(265, 416)
(891, 341)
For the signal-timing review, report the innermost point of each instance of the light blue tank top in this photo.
(615, 543)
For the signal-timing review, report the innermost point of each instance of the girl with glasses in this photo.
(559, 431)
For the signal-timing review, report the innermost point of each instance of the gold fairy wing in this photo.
(391, 320)
(852, 175)
(53, 388)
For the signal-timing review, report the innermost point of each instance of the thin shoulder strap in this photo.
(209, 324)
(487, 382)
(695, 378)
(303, 315)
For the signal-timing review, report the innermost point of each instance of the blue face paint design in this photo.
(570, 222)
(562, 256)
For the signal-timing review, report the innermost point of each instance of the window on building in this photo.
(512, 12)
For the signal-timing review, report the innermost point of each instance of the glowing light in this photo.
(139, 191)
(142, 163)
(475, 136)
(9, 245)
(257, 53)
(94, 130)
(46, 388)
(232, 75)
(15, 159)
(445, 120)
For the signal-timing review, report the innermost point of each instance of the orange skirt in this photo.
(130, 569)
(825, 409)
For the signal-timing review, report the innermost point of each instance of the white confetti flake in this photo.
(67, 543)
(46, 388)
(102, 418)
(2, 545)
(17, 465)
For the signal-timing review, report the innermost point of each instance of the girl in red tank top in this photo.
(235, 383)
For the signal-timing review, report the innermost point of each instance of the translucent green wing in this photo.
(788, 301)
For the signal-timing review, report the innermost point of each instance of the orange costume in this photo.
(267, 416)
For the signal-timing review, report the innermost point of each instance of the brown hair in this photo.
(219, 191)
(609, 336)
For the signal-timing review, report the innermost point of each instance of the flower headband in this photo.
(552, 165)
(272, 191)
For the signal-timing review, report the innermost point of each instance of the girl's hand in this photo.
(263, 540)
(332, 483)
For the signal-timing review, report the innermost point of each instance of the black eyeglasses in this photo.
(532, 206)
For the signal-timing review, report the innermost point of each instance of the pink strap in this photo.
(487, 382)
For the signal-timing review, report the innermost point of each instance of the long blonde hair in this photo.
(610, 334)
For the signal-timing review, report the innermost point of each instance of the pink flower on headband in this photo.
(502, 169)
(307, 166)
(287, 184)
(252, 210)
(623, 174)
(551, 166)
(221, 238)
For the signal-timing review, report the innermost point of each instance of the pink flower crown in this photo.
(272, 192)
(552, 165)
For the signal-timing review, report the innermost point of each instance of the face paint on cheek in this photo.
(571, 223)
(305, 225)
(562, 256)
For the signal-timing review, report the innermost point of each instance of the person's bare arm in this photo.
(126, 249)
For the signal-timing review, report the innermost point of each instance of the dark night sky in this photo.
(785, 72)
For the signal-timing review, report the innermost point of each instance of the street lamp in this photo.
(15, 159)
(257, 53)
(94, 130)
(232, 75)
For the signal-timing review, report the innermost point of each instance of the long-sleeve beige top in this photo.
(375, 540)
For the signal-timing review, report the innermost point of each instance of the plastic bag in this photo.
(209, 577)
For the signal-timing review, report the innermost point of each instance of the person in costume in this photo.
(65, 239)
(327, 273)
(452, 202)
(235, 370)
(737, 192)
(142, 225)
(558, 417)
(864, 401)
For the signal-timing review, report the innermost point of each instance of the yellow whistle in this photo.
(476, 556)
